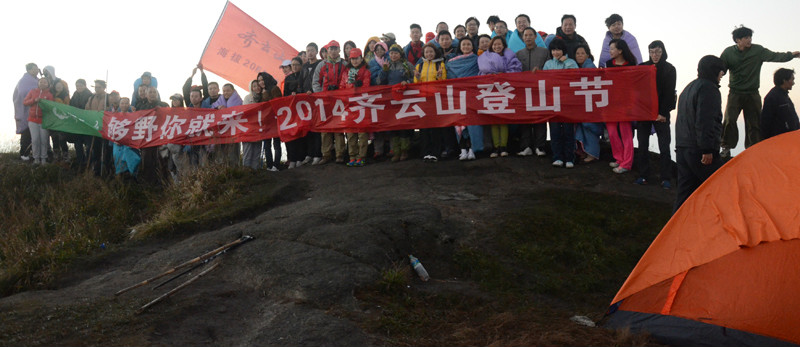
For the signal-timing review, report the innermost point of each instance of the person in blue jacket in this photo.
(587, 134)
(516, 42)
(562, 135)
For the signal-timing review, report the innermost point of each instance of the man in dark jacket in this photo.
(665, 86)
(778, 115)
(82, 142)
(698, 128)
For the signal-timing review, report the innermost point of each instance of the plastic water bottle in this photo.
(423, 275)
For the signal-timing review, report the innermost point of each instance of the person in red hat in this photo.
(357, 75)
(327, 77)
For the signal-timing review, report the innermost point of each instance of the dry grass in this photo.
(51, 215)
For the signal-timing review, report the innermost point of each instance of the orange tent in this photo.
(725, 270)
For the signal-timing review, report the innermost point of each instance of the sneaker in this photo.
(322, 161)
(470, 154)
(640, 181)
(426, 158)
(569, 165)
(540, 153)
(433, 159)
(292, 165)
(528, 151)
(307, 160)
(620, 169)
(613, 164)
(24, 157)
(558, 163)
(666, 185)
(316, 161)
(403, 155)
(589, 159)
(273, 169)
(725, 152)
(463, 156)
(503, 154)
(494, 155)
(352, 163)
(360, 163)
(299, 163)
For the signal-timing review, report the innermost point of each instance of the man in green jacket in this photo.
(744, 60)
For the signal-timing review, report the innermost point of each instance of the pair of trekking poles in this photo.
(191, 265)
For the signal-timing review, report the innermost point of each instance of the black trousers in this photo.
(25, 143)
(642, 160)
(692, 173)
(431, 141)
(539, 135)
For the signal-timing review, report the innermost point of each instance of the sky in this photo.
(117, 41)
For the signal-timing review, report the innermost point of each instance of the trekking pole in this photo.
(196, 260)
(204, 262)
(176, 289)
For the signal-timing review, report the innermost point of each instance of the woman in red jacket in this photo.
(39, 137)
(357, 75)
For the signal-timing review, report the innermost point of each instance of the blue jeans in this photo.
(562, 141)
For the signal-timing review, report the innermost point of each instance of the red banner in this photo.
(241, 47)
(190, 126)
(572, 96)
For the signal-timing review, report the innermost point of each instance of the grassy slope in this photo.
(51, 216)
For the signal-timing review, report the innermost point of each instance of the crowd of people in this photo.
(434, 56)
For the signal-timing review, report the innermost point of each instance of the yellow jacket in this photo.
(430, 71)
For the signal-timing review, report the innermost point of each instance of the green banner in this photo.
(57, 116)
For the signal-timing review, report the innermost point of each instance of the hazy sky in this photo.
(89, 39)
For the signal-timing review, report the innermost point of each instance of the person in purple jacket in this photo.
(499, 59)
(615, 31)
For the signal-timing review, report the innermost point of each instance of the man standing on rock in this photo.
(698, 128)
(744, 60)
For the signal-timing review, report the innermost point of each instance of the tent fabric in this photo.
(736, 242)
(676, 331)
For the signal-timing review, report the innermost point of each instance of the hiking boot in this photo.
(339, 160)
(526, 152)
